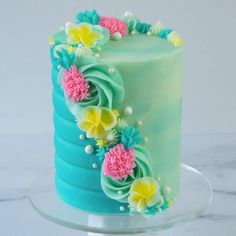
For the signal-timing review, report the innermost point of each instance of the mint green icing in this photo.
(119, 189)
(151, 69)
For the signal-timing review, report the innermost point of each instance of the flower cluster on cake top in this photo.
(93, 92)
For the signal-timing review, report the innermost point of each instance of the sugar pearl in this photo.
(97, 55)
(122, 208)
(82, 137)
(128, 111)
(117, 36)
(133, 32)
(167, 191)
(111, 70)
(95, 166)
(59, 67)
(149, 33)
(89, 149)
(119, 192)
(129, 14)
(145, 139)
(139, 123)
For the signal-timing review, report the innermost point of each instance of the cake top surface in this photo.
(127, 38)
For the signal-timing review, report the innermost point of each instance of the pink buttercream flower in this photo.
(114, 25)
(74, 84)
(119, 162)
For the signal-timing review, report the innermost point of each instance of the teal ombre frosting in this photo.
(152, 74)
(119, 189)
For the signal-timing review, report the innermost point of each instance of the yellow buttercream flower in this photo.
(51, 40)
(175, 39)
(97, 121)
(101, 142)
(82, 33)
(144, 193)
(116, 112)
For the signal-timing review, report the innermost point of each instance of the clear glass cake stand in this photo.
(195, 196)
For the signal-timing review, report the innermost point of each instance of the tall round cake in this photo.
(117, 94)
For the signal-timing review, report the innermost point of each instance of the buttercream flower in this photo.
(145, 193)
(143, 168)
(106, 89)
(175, 39)
(112, 137)
(130, 137)
(91, 17)
(119, 162)
(156, 28)
(63, 56)
(114, 25)
(82, 33)
(165, 32)
(100, 153)
(97, 121)
(74, 84)
(101, 142)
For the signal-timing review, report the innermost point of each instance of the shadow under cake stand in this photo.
(195, 196)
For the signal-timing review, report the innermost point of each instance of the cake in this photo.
(117, 95)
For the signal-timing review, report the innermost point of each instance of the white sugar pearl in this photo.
(119, 192)
(111, 70)
(117, 36)
(167, 191)
(128, 111)
(149, 33)
(95, 166)
(133, 32)
(122, 208)
(145, 139)
(59, 67)
(97, 55)
(129, 14)
(139, 123)
(82, 137)
(89, 149)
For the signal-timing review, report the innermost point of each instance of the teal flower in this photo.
(130, 137)
(143, 27)
(100, 153)
(63, 57)
(90, 17)
(164, 33)
(152, 210)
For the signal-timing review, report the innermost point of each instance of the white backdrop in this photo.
(208, 28)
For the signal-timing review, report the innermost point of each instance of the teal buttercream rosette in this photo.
(105, 81)
(106, 89)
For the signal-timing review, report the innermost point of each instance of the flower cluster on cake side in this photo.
(93, 91)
